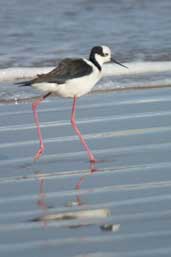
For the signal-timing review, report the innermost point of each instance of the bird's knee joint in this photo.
(73, 122)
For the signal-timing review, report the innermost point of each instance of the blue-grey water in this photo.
(129, 133)
(40, 33)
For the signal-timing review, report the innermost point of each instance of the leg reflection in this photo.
(82, 179)
(42, 195)
(42, 198)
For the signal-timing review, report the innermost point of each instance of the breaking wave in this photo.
(13, 74)
(139, 75)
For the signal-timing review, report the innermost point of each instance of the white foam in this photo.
(13, 74)
(137, 68)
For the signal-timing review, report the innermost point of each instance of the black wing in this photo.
(66, 70)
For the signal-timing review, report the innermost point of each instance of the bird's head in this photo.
(101, 55)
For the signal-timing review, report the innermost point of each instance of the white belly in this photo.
(78, 87)
(74, 87)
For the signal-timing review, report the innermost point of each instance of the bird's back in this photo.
(67, 69)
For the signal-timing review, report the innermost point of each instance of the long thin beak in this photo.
(113, 60)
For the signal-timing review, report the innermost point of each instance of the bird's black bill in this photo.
(113, 60)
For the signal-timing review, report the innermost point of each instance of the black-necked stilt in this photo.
(71, 78)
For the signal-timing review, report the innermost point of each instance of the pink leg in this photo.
(36, 118)
(74, 125)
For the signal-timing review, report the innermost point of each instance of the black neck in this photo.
(95, 62)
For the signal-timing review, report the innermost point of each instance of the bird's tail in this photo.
(24, 83)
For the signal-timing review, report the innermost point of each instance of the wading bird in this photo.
(71, 78)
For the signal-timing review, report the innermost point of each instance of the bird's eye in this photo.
(106, 54)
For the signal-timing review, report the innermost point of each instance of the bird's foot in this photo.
(39, 153)
(92, 159)
(93, 165)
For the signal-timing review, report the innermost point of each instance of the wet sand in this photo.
(123, 205)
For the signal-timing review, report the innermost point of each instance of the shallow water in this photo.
(123, 205)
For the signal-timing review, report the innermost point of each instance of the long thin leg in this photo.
(36, 118)
(74, 125)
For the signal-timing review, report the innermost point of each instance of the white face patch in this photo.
(106, 50)
(107, 55)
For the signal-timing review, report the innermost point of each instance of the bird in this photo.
(72, 78)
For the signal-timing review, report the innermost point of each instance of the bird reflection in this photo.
(42, 195)
(83, 216)
(82, 179)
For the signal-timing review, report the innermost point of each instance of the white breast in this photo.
(74, 87)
